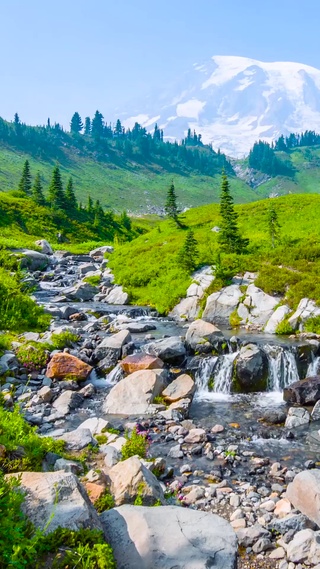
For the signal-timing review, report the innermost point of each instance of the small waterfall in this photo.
(282, 367)
(314, 365)
(204, 373)
(115, 375)
(223, 374)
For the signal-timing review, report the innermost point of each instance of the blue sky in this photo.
(60, 56)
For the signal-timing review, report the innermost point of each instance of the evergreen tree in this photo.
(37, 193)
(118, 128)
(76, 124)
(99, 219)
(229, 237)
(188, 254)
(273, 225)
(56, 197)
(71, 200)
(125, 220)
(25, 181)
(17, 124)
(87, 126)
(97, 125)
(171, 208)
(90, 205)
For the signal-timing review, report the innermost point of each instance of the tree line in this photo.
(114, 143)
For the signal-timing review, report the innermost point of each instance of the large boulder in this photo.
(261, 305)
(304, 392)
(306, 309)
(130, 479)
(203, 336)
(66, 366)
(276, 318)
(78, 439)
(100, 251)
(67, 401)
(297, 416)
(111, 347)
(46, 248)
(56, 499)
(221, 304)
(85, 268)
(189, 307)
(81, 291)
(117, 296)
(34, 261)
(135, 394)
(180, 388)
(304, 494)
(140, 361)
(250, 370)
(169, 537)
(170, 350)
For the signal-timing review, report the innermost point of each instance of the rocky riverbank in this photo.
(245, 458)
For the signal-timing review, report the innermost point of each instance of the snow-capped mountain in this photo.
(234, 101)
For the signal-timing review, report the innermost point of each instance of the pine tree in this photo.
(125, 220)
(87, 126)
(71, 200)
(99, 219)
(229, 237)
(90, 208)
(97, 125)
(171, 208)
(76, 124)
(37, 193)
(273, 225)
(188, 254)
(25, 181)
(56, 197)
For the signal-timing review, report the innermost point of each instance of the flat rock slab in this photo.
(54, 499)
(169, 537)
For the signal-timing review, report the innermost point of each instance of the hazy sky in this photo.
(60, 56)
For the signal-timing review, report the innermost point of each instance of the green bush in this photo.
(25, 450)
(104, 502)
(18, 312)
(5, 343)
(63, 340)
(94, 280)
(312, 325)
(136, 444)
(33, 356)
(284, 328)
(234, 319)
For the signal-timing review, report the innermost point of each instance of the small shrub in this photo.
(313, 325)
(5, 343)
(63, 340)
(101, 439)
(94, 280)
(136, 444)
(235, 319)
(284, 328)
(34, 355)
(104, 502)
(25, 450)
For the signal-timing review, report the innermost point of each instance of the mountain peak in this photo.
(234, 101)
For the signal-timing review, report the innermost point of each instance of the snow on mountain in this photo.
(234, 101)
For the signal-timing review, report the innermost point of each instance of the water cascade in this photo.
(314, 366)
(204, 373)
(223, 375)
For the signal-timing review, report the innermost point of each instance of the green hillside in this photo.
(156, 277)
(139, 188)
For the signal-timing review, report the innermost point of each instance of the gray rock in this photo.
(81, 291)
(248, 536)
(100, 251)
(78, 439)
(172, 537)
(315, 413)
(306, 309)
(111, 455)
(299, 548)
(33, 260)
(294, 522)
(304, 493)
(277, 317)
(66, 401)
(45, 246)
(220, 305)
(134, 395)
(68, 466)
(251, 369)
(56, 499)
(304, 392)
(130, 478)
(111, 346)
(202, 336)
(297, 416)
(117, 296)
(170, 350)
